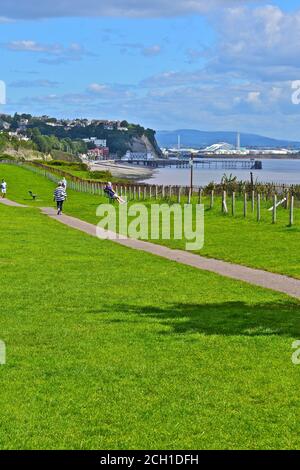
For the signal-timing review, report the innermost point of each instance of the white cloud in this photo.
(97, 88)
(253, 97)
(50, 53)
(113, 8)
(263, 41)
(147, 51)
(110, 92)
(34, 84)
(254, 106)
(32, 46)
(151, 51)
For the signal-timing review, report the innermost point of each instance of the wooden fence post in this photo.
(224, 203)
(258, 208)
(179, 194)
(245, 204)
(287, 195)
(200, 196)
(253, 201)
(292, 201)
(274, 209)
(233, 203)
(212, 199)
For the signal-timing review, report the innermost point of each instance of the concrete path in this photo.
(276, 282)
(7, 202)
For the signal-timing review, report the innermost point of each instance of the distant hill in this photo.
(68, 135)
(200, 139)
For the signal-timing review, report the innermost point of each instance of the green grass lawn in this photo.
(261, 245)
(110, 348)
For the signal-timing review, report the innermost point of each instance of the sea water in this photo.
(277, 171)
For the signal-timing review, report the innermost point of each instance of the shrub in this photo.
(55, 163)
(74, 165)
(100, 175)
(7, 157)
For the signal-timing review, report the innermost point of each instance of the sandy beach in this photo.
(123, 170)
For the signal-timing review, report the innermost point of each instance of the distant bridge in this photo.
(215, 163)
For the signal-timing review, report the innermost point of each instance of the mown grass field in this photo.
(109, 348)
(245, 241)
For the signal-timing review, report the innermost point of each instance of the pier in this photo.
(211, 163)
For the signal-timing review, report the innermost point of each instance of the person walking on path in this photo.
(3, 188)
(60, 196)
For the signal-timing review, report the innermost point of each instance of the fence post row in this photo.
(136, 192)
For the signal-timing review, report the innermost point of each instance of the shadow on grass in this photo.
(228, 318)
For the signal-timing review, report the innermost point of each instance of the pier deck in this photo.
(213, 163)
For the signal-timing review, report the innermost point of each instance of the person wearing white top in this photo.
(64, 182)
(3, 188)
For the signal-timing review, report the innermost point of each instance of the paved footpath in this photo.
(7, 202)
(276, 282)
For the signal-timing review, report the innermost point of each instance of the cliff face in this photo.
(26, 154)
(143, 145)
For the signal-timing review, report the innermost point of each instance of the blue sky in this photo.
(218, 65)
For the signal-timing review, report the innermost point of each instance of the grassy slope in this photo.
(99, 356)
(262, 245)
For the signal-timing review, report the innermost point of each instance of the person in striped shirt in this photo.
(60, 196)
